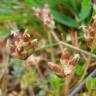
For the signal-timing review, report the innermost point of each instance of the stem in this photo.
(66, 86)
(88, 61)
(85, 71)
(39, 71)
(4, 69)
(22, 92)
(70, 46)
(78, 49)
(31, 91)
(81, 85)
(50, 42)
(57, 39)
(74, 38)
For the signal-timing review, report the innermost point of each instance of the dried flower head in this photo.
(16, 36)
(21, 46)
(90, 33)
(26, 37)
(73, 60)
(57, 69)
(45, 16)
(68, 64)
(65, 54)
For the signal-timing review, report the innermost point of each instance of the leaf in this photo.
(79, 70)
(94, 83)
(18, 68)
(42, 93)
(64, 19)
(89, 83)
(18, 71)
(43, 84)
(4, 34)
(74, 5)
(28, 78)
(4, 18)
(57, 84)
(53, 3)
(5, 11)
(67, 4)
(85, 9)
(36, 3)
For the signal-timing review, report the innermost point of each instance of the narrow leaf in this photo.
(4, 34)
(85, 9)
(63, 19)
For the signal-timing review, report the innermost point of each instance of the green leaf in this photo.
(4, 34)
(79, 70)
(94, 83)
(63, 19)
(18, 68)
(28, 78)
(18, 71)
(85, 9)
(42, 93)
(67, 4)
(89, 83)
(13, 17)
(5, 11)
(36, 3)
(43, 84)
(57, 84)
(51, 2)
(74, 5)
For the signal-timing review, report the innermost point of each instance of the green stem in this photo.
(89, 59)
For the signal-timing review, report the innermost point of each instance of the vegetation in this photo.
(47, 47)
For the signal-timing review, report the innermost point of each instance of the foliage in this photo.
(74, 29)
(65, 12)
(91, 84)
(18, 68)
(27, 79)
(57, 84)
(79, 70)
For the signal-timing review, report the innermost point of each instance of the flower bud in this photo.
(12, 48)
(32, 44)
(65, 55)
(26, 37)
(22, 55)
(16, 37)
(74, 60)
(89, 42)
(68, 69)
(20, 50)
(45, 16)
(91, 32)
(56, 68)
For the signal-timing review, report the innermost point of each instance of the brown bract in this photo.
(67, 66)
(21, 46)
